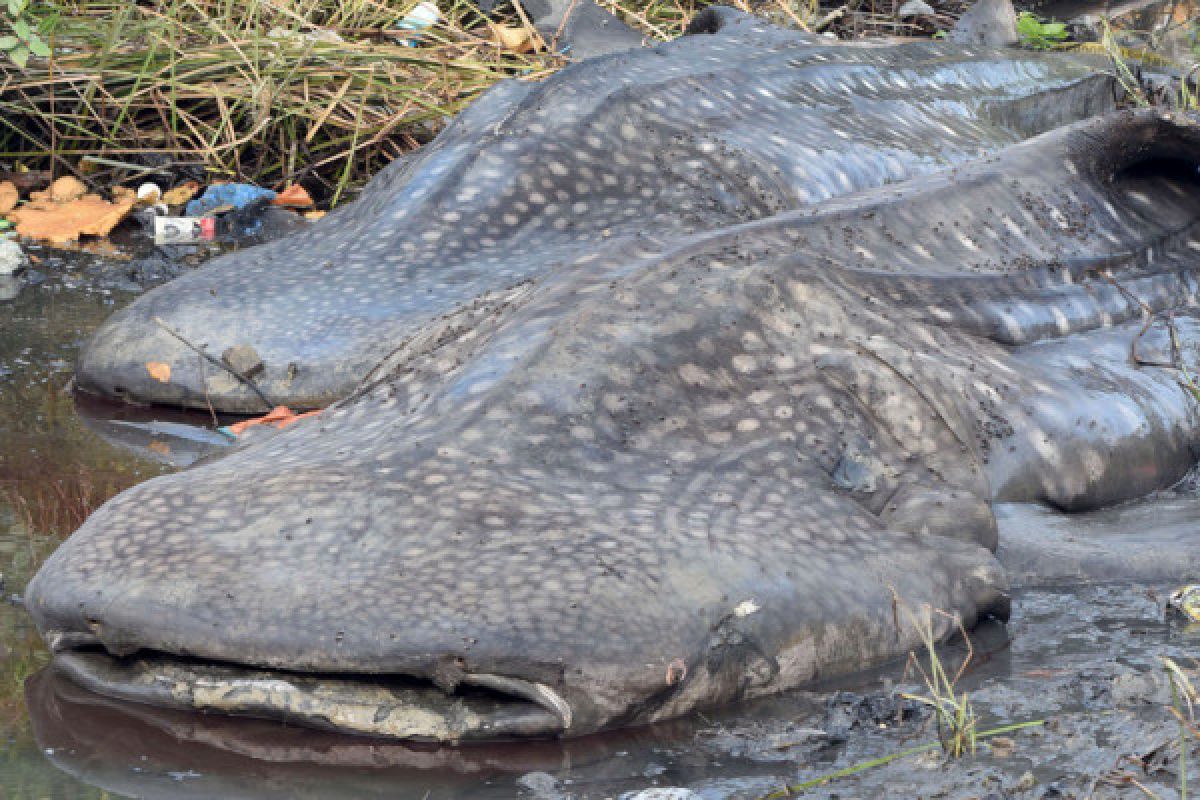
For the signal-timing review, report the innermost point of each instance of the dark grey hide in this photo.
(609, 479)
(615, 154)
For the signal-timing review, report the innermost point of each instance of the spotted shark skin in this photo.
(679, 472)
(654, 144)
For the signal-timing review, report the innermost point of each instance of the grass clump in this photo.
(958, 733)
(952, 710)
(1183, 701)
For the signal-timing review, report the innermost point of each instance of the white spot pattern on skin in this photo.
(609, 454)
(547, 187)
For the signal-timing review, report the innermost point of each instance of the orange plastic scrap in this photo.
(278, 417)
(293, 196)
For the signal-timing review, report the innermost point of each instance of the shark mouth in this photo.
(481, 706)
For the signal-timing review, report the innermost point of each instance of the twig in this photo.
(216, 362)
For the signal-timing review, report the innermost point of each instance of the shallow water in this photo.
(1083, 657)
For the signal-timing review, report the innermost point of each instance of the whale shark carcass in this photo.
(622, 151)
(646, 463)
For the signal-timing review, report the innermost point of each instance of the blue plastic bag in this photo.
(238, 195)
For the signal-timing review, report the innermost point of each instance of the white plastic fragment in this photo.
(149, 193)
(12, 257)
(184, 230)
(915, 8)
(423, 16)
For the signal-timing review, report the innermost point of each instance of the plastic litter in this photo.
(916, 8)
(228, 195)
(422, 17)
(12, 258)
(149, 194)
(184, 230)
(294, 196)
(278, 417)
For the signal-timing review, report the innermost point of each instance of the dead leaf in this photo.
(518, 40)
(26, 180)
(66, 189)
(294, 196)
(162, 448)
(278, 417)
(59, 223)
(159, 370)
(314, 215)
(181, 193)
(123, 193)
(9, 196)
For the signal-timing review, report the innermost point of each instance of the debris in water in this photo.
(279, 417)
(1185, 602)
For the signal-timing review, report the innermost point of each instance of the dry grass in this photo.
(261, 90)
(246, 90)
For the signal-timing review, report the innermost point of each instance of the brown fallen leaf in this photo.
(181, 193)
(120, 193)
(294, 196)
(66, 189)
(26, 180)
(518, 40)
(159, 370)
(59, 223)
(314, 215)
(160, 447)
(9, 196)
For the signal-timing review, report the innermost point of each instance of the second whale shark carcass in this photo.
(676, 474)
(627, 150)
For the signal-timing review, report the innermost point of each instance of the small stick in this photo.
(215, 361)
(207, 401)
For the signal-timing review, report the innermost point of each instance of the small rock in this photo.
(12, 257)
(915, 8)
(1026, 782)
(1132, 688)
(664, 793)
(992, 23)
(1002, 746)
(541, 784)
(244, 360)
